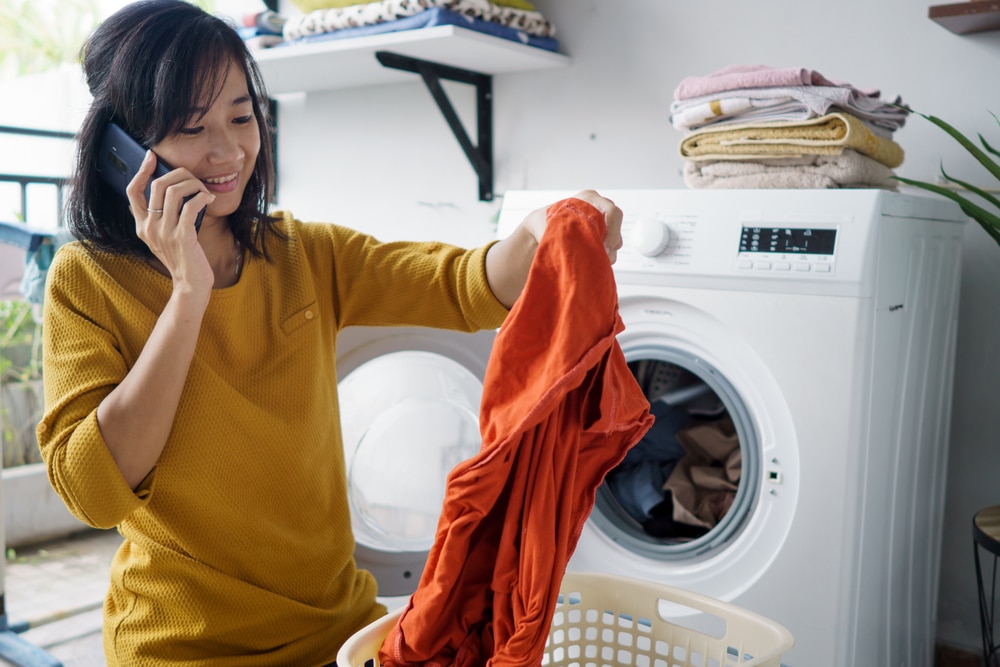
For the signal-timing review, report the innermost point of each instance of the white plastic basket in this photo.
(607, 621)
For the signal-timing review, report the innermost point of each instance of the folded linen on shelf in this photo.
(787, 103)
(827, 135)
(850, 169)
(735, 77)
(388, 11)
(310, 5)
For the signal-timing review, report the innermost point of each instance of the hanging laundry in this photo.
(560, 409)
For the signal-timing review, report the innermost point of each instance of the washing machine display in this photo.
(788, 240)
(797, 348)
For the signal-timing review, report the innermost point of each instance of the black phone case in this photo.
(119, 159)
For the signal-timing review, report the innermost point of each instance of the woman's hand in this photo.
(167, 228)
(612, 221)
(535, 222)
(137, 416)
(509, 261)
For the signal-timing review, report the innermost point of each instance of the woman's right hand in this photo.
(167, 228)
(137, 416)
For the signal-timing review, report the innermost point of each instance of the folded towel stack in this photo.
(764, 127)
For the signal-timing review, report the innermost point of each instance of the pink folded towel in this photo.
(735, 77)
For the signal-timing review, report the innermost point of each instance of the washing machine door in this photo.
(705, 501)
(409, 410)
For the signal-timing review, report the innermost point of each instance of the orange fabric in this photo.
(560, 409)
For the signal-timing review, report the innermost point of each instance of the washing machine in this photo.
(797, 347)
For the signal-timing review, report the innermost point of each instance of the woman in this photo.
(190, 374)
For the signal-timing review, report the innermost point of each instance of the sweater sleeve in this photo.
(405, 283)
(81, 369)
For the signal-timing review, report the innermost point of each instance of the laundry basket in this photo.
(607, 621)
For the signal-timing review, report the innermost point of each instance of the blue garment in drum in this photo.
(637, 482)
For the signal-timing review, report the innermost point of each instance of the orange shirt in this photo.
(560, 409)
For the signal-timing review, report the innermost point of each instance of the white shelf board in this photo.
(351, 63)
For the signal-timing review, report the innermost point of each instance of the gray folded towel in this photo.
(850, 169)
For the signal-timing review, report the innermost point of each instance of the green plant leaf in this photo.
(987, 220)
(966, 143)
(972, 188)
(988, 147)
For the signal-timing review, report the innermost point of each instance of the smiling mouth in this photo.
(221, 180)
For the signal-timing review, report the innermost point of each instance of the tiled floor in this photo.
(57, 590)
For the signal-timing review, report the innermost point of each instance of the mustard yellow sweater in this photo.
(238, 544)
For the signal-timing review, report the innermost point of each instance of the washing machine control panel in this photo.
(781, 239)
(787, 248)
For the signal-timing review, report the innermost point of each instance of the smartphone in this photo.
(120, 157)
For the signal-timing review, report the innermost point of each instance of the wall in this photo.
(383, 160)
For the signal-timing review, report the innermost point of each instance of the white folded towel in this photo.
(795, 103)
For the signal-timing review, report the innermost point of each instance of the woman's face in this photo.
(220, 147)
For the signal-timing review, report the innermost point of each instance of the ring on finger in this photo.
(154, 210)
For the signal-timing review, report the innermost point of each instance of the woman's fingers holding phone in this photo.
(170, 192)
(139, 186)
(157, 194)
(193, 208)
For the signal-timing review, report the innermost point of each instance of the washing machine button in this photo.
(744, 264)
(782, 266)
(649, 237)
(762, 266)
(801, 266)
(822, 268)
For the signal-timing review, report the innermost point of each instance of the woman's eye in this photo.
(190, 131)
(243, 120)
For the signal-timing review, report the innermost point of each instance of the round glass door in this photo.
(688, 486)
(408, 418)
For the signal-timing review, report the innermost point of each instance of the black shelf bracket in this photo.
(481, 154)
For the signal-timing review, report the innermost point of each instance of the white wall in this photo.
(383, 160)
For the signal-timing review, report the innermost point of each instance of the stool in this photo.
(986, 535)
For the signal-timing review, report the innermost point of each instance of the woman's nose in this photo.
(225, 146)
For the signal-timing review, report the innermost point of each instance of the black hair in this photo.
(150, 67)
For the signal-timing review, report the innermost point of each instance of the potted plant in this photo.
(31, 510)
(987, 212)
(21, 394)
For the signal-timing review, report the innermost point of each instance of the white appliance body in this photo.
(824, 322)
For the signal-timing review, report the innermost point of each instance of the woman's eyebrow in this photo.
(199, 112)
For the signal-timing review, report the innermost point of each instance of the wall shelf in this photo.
(441, 52)
(963, 18)
(351, 63)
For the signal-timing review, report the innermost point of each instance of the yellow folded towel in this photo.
(826, 135)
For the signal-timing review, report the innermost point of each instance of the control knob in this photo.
(649, 237)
